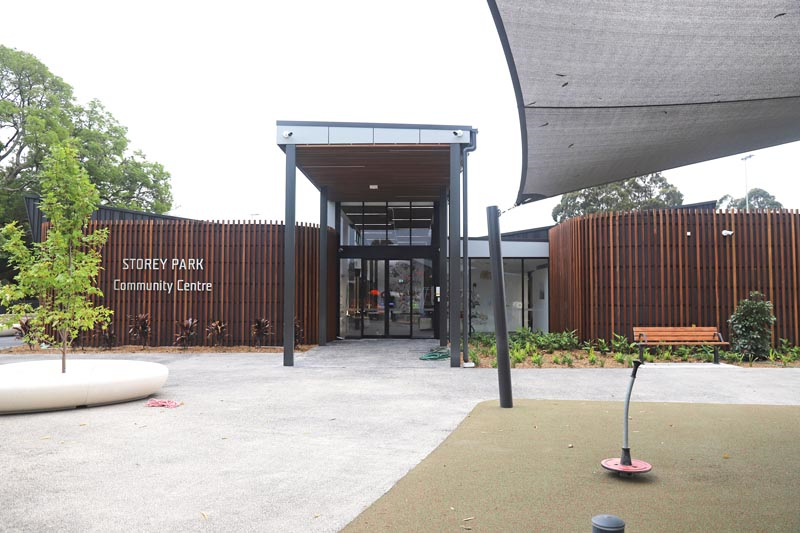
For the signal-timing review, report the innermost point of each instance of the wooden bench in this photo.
(673, 336)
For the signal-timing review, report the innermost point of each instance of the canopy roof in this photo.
(611, 90)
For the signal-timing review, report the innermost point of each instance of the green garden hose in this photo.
(442, 352)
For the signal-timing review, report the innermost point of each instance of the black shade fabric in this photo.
(608, 90)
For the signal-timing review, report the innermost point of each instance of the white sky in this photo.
(200, 84)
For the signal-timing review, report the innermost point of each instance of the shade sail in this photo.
(609, 90)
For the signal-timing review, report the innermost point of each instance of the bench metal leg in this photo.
(716, 355)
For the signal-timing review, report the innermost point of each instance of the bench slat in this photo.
(678, 335)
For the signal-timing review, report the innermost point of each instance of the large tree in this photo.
(652, 191)
(759, 199)
(38, 111)
(61, 272)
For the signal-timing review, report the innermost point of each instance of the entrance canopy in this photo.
(608, 91)
(374, 162)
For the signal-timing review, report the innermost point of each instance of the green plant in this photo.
(518, 356)
(664, 353)
(628, 361)
(620, 344)
(567, 360)
(475, 357)
(602, 363)
(786, 359)
(592, 359)
(556, 360)
(619, 358)
(602, 346)
(260, 329)
(139, 328)
(536, 359)
(215, 332)
(649, 358)
(785, 346)
(751, 324)
(683, 352)
(62, 271)
(494, 362)
(186, 332)
(588, 347)
(732, 357)
(773, 355)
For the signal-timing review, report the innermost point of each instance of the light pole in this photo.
(746, 189)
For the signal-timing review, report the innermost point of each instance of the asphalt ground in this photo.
(257, 446)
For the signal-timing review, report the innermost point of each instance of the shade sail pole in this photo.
(499, 307)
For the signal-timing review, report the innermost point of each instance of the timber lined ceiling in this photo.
(402, 172)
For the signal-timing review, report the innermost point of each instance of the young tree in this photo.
(62, 271)
(652, 191)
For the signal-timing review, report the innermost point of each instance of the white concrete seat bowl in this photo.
(40, 385)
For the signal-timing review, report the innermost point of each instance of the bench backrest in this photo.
(666, 334)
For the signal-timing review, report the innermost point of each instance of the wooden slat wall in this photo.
(612, 271)
(243, 260)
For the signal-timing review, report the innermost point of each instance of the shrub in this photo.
(567, 359)
(139, 328)
(602, 346)
(261, 329)
(536, 359)
(750, 326)
(475, 357)
(186, 332)
(592, 359)
(107, 336)
(620, 344)
(215, 332)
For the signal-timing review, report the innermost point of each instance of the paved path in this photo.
(260, 447)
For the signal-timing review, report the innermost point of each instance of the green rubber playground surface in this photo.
(536, 467)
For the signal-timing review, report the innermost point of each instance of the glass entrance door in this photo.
(386, 298)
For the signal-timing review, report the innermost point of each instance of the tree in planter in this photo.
(751, 325)
(61, 271)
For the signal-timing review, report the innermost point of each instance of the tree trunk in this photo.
(63, 334)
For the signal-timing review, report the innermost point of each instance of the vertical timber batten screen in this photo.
(164, 268)
(612, 271)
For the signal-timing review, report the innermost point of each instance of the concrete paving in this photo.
(260, 447)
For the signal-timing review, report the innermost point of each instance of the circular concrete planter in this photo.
(40, 385)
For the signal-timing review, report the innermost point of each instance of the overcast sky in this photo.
(200, 85)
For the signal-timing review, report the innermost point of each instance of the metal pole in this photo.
(607, 523)
(455, 254)
(323, 267)
(288, 257)
(466, 308)
(465, 289)
(746, 188)
(442, 216)
(499, 307)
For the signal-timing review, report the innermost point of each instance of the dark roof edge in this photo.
(371, 125)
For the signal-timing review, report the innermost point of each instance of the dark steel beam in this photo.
(323, 267)
(442, 258)
(288, 257)
(455, 255)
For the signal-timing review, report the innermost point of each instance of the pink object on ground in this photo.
(169, 404)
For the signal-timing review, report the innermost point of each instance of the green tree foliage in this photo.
(751, 325)
(759, 199)
(62, 271)
(652, 191)
(38, 111)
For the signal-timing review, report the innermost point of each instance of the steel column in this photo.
(455, 254)
(442, 216)
(323, 267)
(499, 307)
(289, 257)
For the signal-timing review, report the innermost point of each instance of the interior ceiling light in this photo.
(373, 187)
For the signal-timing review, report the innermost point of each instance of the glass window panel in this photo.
(350, 289)
(399, 220)
(351, 215)
(421, 223)
(374, 223)
(422, 298)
